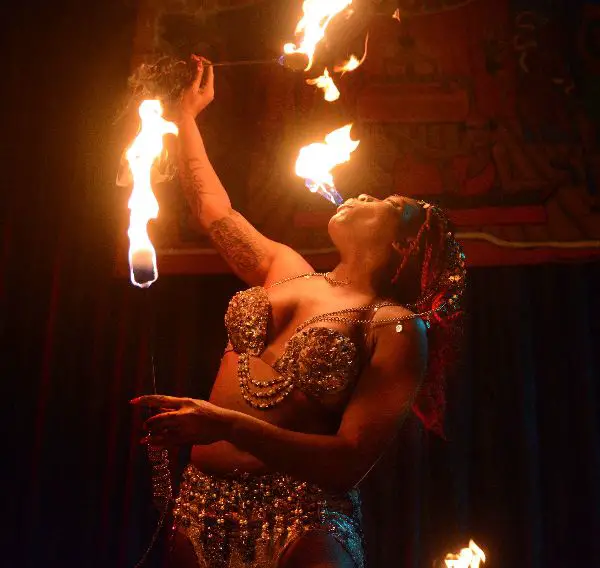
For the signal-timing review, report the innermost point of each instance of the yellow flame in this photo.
(144, 150)
(396, 15)
(311, 28)
(325, 82)
(350, 65)
(467, 558)
(316, 161)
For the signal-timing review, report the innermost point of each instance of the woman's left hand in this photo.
(183, 421)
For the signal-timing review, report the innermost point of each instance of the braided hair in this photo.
(429, 280)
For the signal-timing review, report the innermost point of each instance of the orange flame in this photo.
(466, 558)
(353, 63)
(396, 15)
(325, 82)
(311, 28)
(316, 161)
(350, 65)
(145, 149)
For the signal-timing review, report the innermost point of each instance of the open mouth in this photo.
(343, 206)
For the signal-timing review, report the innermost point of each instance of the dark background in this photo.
(519, 473)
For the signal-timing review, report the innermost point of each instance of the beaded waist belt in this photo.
(253, 516)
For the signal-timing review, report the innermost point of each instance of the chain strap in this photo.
(337, 316)
(290, 278)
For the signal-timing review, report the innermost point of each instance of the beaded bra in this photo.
(317, 360)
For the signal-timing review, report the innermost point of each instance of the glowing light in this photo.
(350, 65)
(317, 14)
(316, 161)
(396, 15)
(467, 558)
(325, 82)
(143, 206)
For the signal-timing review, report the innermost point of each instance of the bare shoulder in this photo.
(396, 327)
(398, 348)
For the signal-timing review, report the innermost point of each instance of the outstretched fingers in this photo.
(160, 401)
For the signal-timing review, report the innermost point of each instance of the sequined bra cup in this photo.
(316, 360)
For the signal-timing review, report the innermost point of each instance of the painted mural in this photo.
(486, 107)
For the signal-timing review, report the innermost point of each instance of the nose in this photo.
(365, 197)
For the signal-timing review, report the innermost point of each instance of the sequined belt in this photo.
(248, 520)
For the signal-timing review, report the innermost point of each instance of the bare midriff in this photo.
(297, 412)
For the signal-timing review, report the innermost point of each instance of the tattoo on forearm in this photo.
(234, 239)
(190, 174)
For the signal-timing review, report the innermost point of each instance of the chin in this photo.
(333, 227)
(339, 228)
(338, 219)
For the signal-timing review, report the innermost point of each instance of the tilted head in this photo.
(366, 222)
(409, 241)
(412, 245)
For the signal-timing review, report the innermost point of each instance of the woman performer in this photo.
(319, 373)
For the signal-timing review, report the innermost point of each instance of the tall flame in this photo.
(316, 161)
(325, 82)
(144, 150)
(466, 558)
(311, 28)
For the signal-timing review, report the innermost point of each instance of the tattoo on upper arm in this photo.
(237, 242)
(190, 173)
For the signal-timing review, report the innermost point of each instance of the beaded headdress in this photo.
(438, 303)
(441, 298)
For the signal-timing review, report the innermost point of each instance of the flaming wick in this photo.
(141, 155)
(316, 16)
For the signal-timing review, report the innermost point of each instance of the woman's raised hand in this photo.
(201, 92)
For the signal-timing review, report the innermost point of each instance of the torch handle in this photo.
(239, 63)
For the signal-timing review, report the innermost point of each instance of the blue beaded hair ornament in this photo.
(440, 297)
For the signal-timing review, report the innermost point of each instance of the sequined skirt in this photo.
(248, 521)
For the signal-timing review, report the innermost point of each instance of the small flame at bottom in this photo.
(325, 82)
(466, 558)
(316, 161)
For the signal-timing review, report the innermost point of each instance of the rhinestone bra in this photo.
(316, 360)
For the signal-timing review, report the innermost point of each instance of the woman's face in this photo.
(373, 221)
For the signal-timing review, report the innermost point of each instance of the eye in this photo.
(394, 203)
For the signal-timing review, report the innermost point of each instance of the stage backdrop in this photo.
(481, 106)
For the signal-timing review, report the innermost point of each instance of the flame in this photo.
(350, 65)
(353, 63)
(466, 558)
(311, 28)
(396, 15)
(326, 83)
(144, 150)
(316, 161)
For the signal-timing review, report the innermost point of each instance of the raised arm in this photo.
(253, 257)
